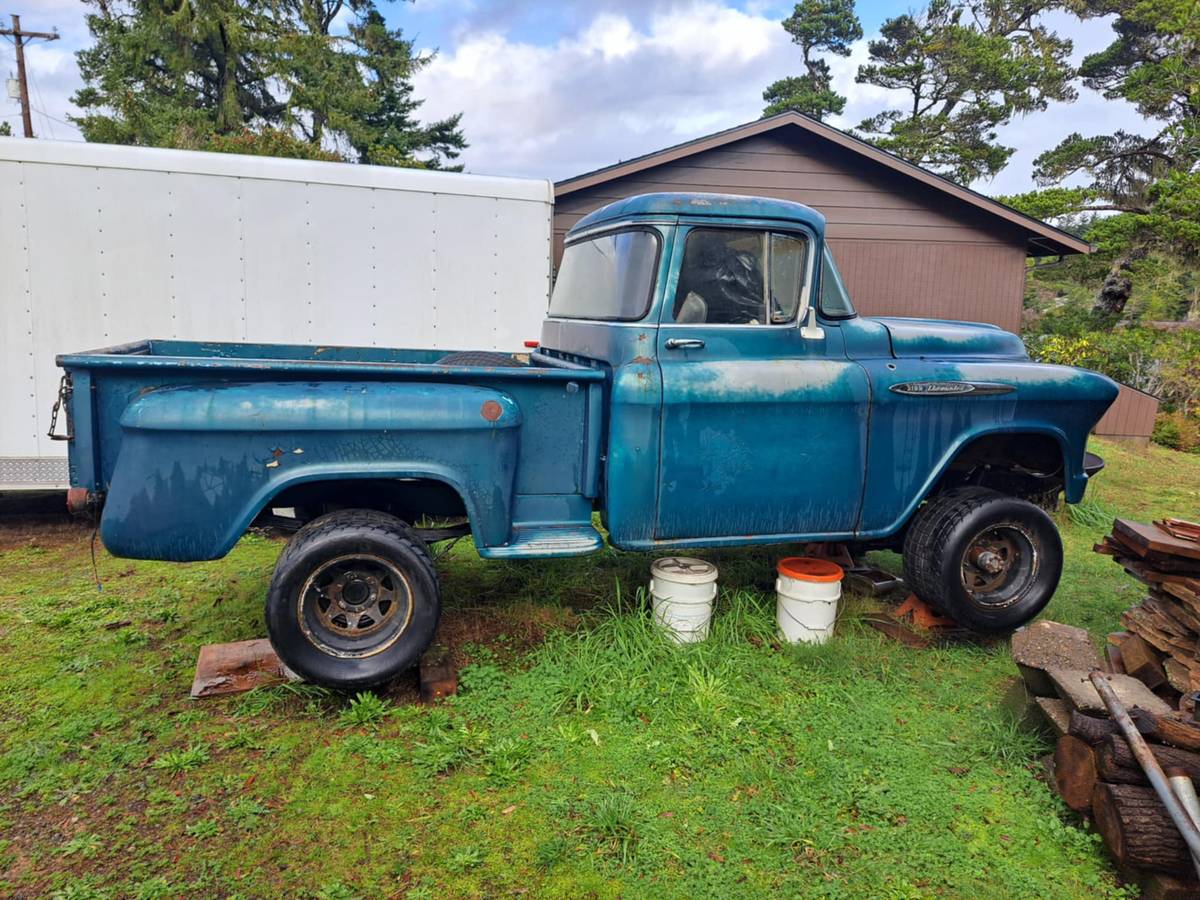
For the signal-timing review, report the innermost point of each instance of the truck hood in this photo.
(941, 339)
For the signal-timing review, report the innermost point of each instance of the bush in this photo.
(1177, 431)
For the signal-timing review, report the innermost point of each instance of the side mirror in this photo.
(811, 330)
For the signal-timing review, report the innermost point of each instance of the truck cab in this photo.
(702, 380)
(750, 402)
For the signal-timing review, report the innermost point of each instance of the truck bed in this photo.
(233, 426)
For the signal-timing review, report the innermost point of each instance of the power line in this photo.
(20, 38)
(42, 103)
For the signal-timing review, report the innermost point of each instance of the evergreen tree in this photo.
(258, 76)
(816, 26)
(968, 67)
(1151, 181)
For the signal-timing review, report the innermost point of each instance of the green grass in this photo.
(583, 756)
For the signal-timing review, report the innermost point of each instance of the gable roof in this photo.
(1042, 239)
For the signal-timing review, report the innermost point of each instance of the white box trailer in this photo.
(101, 245)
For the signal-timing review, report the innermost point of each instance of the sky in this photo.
(557, 89)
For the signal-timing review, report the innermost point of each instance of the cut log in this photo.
(1077, 689)
(1142, 661)
(1075, 774)
(1110, 770)
(1164, 886)
(1092, 729)
(1168, 757)
(1137, 829)
(1042, 646)
(1167, 729)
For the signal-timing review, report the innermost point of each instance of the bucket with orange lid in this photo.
(807, 592)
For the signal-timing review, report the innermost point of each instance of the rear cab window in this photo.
(608, 277)
(741, 277)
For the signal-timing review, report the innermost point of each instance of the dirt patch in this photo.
(42, 531)
(507, 631)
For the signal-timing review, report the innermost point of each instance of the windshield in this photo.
(607, 277)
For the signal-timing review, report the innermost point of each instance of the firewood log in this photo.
(1075, 772)
(1137, 829)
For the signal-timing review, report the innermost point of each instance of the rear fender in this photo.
(197, 464)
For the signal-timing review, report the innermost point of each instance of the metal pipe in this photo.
(1181, 784)
(1179, 815)
(1185, 791)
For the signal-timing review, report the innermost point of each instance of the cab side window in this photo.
(740, 277)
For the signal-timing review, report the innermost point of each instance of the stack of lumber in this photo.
(1163, 641)
(1093, 767)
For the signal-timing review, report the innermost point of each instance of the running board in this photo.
(541, 541)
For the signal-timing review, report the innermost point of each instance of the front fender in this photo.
(197, 464)
(916, 435)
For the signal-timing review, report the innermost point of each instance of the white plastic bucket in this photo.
(682, 591)
(807, 592)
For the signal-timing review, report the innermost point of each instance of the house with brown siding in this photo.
(908, 242)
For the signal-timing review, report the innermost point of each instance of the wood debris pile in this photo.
(1165, 627)
(1154, 667)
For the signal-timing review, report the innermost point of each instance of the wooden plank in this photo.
(1152, 539)
(1142, 661)
(240, 666)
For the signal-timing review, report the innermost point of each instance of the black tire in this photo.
(354, 600)
(989, 561)
(481, 358)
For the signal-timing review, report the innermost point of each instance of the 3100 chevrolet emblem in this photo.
(942, 388)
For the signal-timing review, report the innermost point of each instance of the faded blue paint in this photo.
(761, 435)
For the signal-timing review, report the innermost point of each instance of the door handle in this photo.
(684, 344)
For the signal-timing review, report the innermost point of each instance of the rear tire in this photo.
(990, 561)
(354, 600)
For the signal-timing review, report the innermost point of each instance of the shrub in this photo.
(1177, 431)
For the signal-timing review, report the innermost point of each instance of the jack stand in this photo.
(922, 615)
(834, 552)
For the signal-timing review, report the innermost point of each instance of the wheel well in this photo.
(409, 499)
(1026, 465)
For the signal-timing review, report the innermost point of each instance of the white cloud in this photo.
(612, 90)
(630, 78)
(621, 85)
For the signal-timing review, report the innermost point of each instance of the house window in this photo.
(740, 277)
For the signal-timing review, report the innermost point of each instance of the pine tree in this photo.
(257, 76)
(816, 26)
(968, 67)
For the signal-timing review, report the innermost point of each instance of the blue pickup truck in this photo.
(702, 380)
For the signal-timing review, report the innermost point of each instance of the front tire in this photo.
(354, 600)
(990, 561)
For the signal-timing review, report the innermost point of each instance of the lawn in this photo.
(584, 755)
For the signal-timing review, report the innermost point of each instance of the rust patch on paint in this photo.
(491, 410)
(642, 361)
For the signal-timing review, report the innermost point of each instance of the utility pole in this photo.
(19, 38)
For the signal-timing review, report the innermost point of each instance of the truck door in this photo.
(763, 427)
